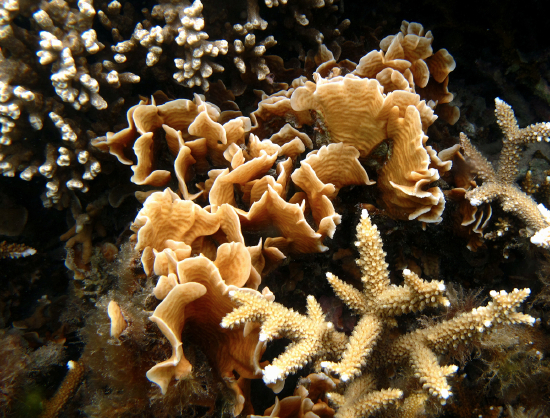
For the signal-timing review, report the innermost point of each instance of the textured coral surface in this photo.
(291, 208)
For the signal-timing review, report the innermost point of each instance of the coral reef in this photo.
(204, 188)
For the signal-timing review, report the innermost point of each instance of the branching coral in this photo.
(68, 387)
(53, 47)
(10, 250)
(500, 184)
(378, 304)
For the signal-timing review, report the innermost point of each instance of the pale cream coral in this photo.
(118, 323)
(312, 336)
(406, 177)
(365, 351)
(500, 184)
(196, 304)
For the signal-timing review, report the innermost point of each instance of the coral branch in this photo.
(500, 185)
(67, 389)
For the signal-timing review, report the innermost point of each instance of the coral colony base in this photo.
(246, 190)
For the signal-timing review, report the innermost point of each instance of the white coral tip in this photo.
(542, 238)
(475, 201)
(441, 287)
(444, 393)
(406, 272)
(272, 374)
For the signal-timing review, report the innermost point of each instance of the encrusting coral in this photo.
(371, 345)
(500, 184)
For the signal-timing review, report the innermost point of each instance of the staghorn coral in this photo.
(378, 304)
(68, 387)
(500, 184)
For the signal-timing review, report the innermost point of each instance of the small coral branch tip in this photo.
(271, 374)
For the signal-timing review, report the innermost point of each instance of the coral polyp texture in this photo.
(500, 184)
(371, 346)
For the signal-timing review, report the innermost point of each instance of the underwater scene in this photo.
(274, 208)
